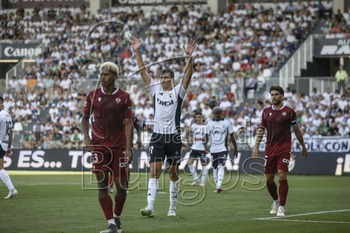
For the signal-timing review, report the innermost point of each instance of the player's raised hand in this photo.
(190, 47)
(135, 42)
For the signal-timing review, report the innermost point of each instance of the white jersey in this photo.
(218, 132)
(5, 125)
(167, 108)
(198, 133)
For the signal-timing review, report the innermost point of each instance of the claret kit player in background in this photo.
(111, 141)
(277, 121)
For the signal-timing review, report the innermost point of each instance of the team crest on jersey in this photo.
(117, 100)
(270, 113)
(284, 114)
(171, 95)
(99, 99)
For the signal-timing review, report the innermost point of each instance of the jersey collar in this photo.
(115, 91)
(278, 109)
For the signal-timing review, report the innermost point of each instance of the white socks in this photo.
(204, 175)
(173, 192)
(221, 173)
(6, 179)
(215, 176)
(193, 171)
(152, 193)
(111, 221)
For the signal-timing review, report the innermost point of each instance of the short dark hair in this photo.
(168, 70)
(277, 88)
(197, 113)
(217, 110)
(1, 98)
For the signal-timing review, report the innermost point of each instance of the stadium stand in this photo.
(239, 48)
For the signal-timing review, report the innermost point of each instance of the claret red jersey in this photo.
(278, 127)
(108, 114)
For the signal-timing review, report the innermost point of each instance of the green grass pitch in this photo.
(67, 202)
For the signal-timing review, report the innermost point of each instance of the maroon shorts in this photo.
(276, 162)
(111, 160)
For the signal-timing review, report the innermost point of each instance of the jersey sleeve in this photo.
(293, 118)
(207, 128)
(263, 123)
(87, 107)
(180, 91)
(229, 127)
(128, 106)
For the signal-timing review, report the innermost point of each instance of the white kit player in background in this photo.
(219, 130)
(166, 141)
(199, 149)
(5, 147)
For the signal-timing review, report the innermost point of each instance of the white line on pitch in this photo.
(46, 183)
(304, 214)
(307, 221)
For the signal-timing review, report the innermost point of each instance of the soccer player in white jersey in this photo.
(5, 147)
(199, 150)
(218, 131)
(166, 139)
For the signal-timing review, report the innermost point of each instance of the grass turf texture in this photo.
(67, 202)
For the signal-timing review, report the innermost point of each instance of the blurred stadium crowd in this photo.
(238, 49)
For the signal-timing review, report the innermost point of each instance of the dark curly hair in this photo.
(277, 88)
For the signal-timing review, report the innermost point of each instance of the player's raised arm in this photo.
(188, 48)
(136, 44)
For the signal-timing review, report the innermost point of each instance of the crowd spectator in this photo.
(239, 49)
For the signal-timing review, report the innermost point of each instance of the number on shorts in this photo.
(150, 150)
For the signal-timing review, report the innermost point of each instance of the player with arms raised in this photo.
(277, 121)
(111, 141)
(166, 137)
